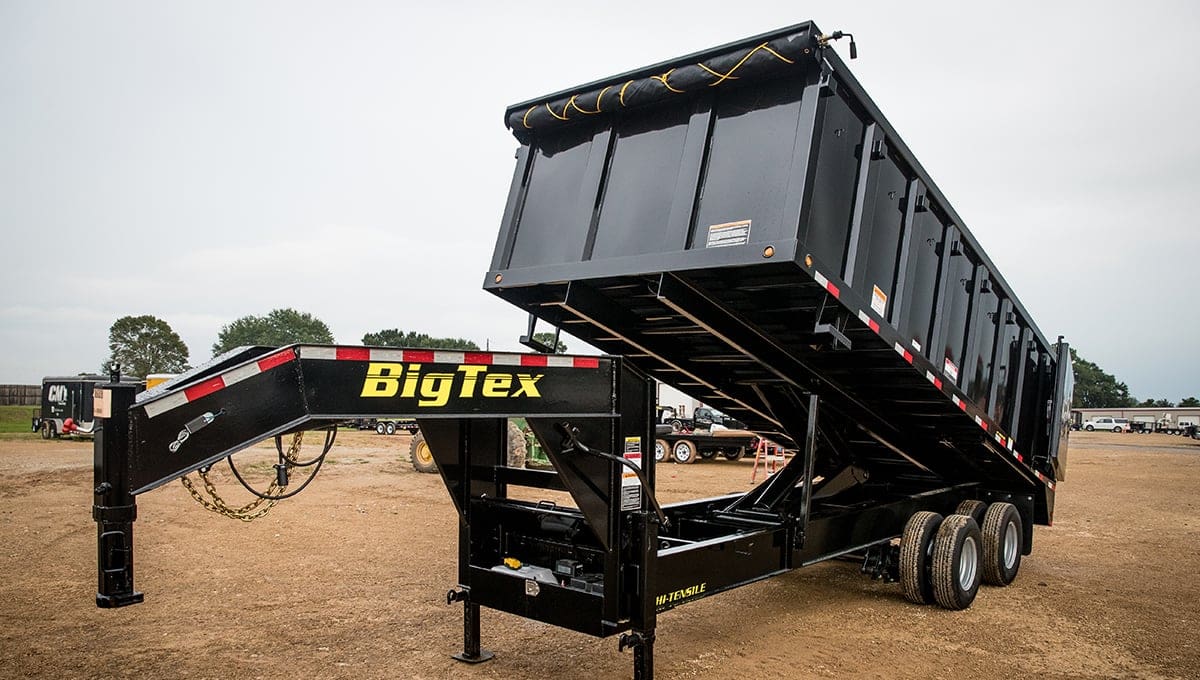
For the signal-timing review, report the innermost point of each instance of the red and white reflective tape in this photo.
(1004, 441)
(429, 356)
(826, 283)
(937, 382)
(202, 389)
(871, 323)
(1045, 479)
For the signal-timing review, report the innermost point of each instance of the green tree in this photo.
(394, 337)
(1190, 402)
(547, 339)
(145, 344)
(280, 327)
(1157, 403)
(1094, 388)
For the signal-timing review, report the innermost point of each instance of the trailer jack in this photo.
(471, 653)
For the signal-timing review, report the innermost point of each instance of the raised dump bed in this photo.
(745, 224)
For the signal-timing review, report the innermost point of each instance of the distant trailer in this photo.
(67, 406)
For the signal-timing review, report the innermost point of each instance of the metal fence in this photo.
(20, 395)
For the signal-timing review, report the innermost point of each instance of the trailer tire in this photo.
(660, 450)
(684, 452)
(973, 509)
(390, 427)
(47, 429)
(956, 557)
(734, 454)
(1003, 535)
(422, 457)
(380, 428)
(708, 454)
(916, 547)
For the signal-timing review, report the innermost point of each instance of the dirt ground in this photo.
(348, 580)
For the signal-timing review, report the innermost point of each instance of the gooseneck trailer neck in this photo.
(744, 224)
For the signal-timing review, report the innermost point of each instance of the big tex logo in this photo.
(435, 389)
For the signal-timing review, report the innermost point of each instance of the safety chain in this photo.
(255, 508)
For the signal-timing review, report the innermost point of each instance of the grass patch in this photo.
(15, 419)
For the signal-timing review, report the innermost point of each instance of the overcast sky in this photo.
(201, 161)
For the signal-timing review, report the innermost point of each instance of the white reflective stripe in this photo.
(396, 355)
(820, 278)
(930, 377)
(954, 398)
(449, 358)
(165, 403)
(560, 361)
(978, 420)
(240, 373)
(328, 353)
(1010, 444)
(863, 315)
(506, 359)
(899, 349)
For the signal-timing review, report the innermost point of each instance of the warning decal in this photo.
(951, 370)
(728, 234)
(631, 487)
(879, 301)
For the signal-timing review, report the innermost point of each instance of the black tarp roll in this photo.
(736, 66)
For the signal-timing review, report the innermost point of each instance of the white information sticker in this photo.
(101, 403)
(951, 370)
(728, 234)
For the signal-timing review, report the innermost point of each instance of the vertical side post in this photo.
(113, 507)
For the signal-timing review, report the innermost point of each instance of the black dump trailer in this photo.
(744, 224)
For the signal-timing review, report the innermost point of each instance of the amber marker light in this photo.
(499, 278)
(769, 251)
(808, 260)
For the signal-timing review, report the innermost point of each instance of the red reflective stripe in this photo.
(908, 356)
(353, 354)
(962, 405)
(833, 290)
(1020, 457)
(873, 324)
(586, 362)
(418, 355)
(983, 424)
(937, 382)
(204, 389)
(477, 358)
(533, 359)
(276, 359)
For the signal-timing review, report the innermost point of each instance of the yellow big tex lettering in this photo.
(434, 389)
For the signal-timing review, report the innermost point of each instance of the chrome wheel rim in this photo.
(968, 564)
(1010, 545)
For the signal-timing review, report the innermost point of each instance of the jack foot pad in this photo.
(122, 600)
(484, 655)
